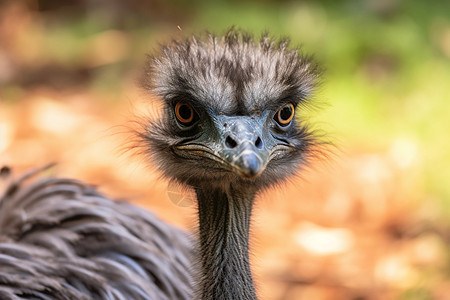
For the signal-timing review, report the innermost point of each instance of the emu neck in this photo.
(224, 218)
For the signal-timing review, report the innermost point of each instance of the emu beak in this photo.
(242, 145)
(248, 163)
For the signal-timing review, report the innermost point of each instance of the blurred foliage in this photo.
(385, 88)
(387, 62)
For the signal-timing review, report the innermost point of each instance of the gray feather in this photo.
(62, 239)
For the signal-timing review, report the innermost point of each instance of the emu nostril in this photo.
(258, 143)
(230, 142)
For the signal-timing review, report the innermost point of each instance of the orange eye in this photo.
(285, 114)
(185, 113)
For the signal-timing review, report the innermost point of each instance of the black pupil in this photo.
(286, 113)
(185, 112)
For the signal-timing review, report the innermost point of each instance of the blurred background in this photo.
(369, 222)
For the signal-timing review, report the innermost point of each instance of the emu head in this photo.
(229, 110)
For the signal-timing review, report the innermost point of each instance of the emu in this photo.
(228, 130)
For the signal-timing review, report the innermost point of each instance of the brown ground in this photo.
(348, 229)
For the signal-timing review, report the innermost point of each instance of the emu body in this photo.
(227, 130)
(61, 239)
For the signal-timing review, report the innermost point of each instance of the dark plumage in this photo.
(227, 130)
(61, 239)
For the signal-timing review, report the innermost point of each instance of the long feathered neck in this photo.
(224, 218)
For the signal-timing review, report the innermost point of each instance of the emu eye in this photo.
(185, 113)
(284, 115)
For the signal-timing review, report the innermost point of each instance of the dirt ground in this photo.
(349, 227)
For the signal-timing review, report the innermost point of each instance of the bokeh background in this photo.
(371, 221)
